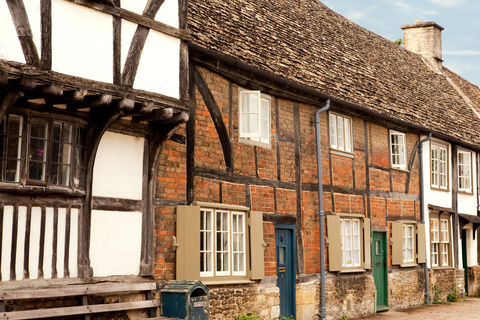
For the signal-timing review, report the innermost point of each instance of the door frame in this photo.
(383, 235)
(293, 261)
(465, 258)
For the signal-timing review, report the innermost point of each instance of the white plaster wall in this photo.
(9, 44)
(159, 69)
(118, 169)
(472, 248)
(467, 203)
(136, 6)
(168, 13)
(35, 242)
(82, 41)
(115, 243)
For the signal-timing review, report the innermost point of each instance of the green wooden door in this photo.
(380, 269)
(464, 259)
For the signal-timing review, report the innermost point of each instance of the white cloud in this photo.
(447, 3)
(353, 15)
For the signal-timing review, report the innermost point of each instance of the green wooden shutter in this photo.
(188, 240)
(255, 224)
(421, 254)
(367, 244)
(397, 242)
(334, 243)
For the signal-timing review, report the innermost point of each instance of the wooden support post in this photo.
(181, 117)
(124, 104)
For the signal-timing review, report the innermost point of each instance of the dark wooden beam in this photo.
(24, 32)
(124, 104)
(138, 42)
(156, 115)
(3, 78)
(27, 83)
(181, 117)
(96, 101)
(46, 33)
(142, 108)
(216, 116)
(9, 100)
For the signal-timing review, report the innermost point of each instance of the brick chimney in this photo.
(425, 38)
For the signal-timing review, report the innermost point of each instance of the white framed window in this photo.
(445, 241)
(408, 243)
(222, 243)
(349, 247)
(464, 171)
(434, 240)
(53, 153)
(340, 132)
(254, 114)
(398, 150)
(440, 239)
(350, 242)
(439, 166)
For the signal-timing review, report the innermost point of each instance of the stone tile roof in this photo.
(308, 43)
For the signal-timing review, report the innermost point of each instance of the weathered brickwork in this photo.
(164, 262)
(378, 210)
(270, 253)
(262, 199)
(286, 201)
(207, 190)
(171, 171)
(350, 295)
(342, 171)
(406, 288)
(229, 303)
(233, 193)
(310, 228)
(265, 178)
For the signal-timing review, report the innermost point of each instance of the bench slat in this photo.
(78, 310)
(76, 290)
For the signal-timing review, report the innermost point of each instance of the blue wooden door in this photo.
(286, 279)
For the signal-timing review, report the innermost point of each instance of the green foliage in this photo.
(453, 296)
(437, 295)
(289, 318)
(246, 316)
(344, 317)
(399, 41)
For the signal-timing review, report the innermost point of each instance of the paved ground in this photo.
(467, 309)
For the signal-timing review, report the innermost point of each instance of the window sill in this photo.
(400, 169)
(442, 268)
(408, 265)
(439, 189)
(255, 143)
(342, 153)
(352, 270)
(466, 192)
(222, 282)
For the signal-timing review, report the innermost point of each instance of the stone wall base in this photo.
(406, 288)
(230, 302)
(444, 281)
(473, 281)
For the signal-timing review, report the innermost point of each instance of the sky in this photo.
(460, 18)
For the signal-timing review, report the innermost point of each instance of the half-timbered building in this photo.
(90, 91)
(260, 72)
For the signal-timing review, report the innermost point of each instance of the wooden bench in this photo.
(82, 291)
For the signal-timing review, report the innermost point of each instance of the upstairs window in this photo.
(340, 133)
(254, 110)
(464, 171)
(42, 151)
(439, 167)
(398, 150)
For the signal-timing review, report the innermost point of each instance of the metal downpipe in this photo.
(422, 212)
(321, 212)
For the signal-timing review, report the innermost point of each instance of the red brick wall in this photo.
(345, 182)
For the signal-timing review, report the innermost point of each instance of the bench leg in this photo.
(85, 303)
(151, 311)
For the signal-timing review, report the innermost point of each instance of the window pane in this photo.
(10, 147)
(341, 141)
(348, 141)
(333, 131)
